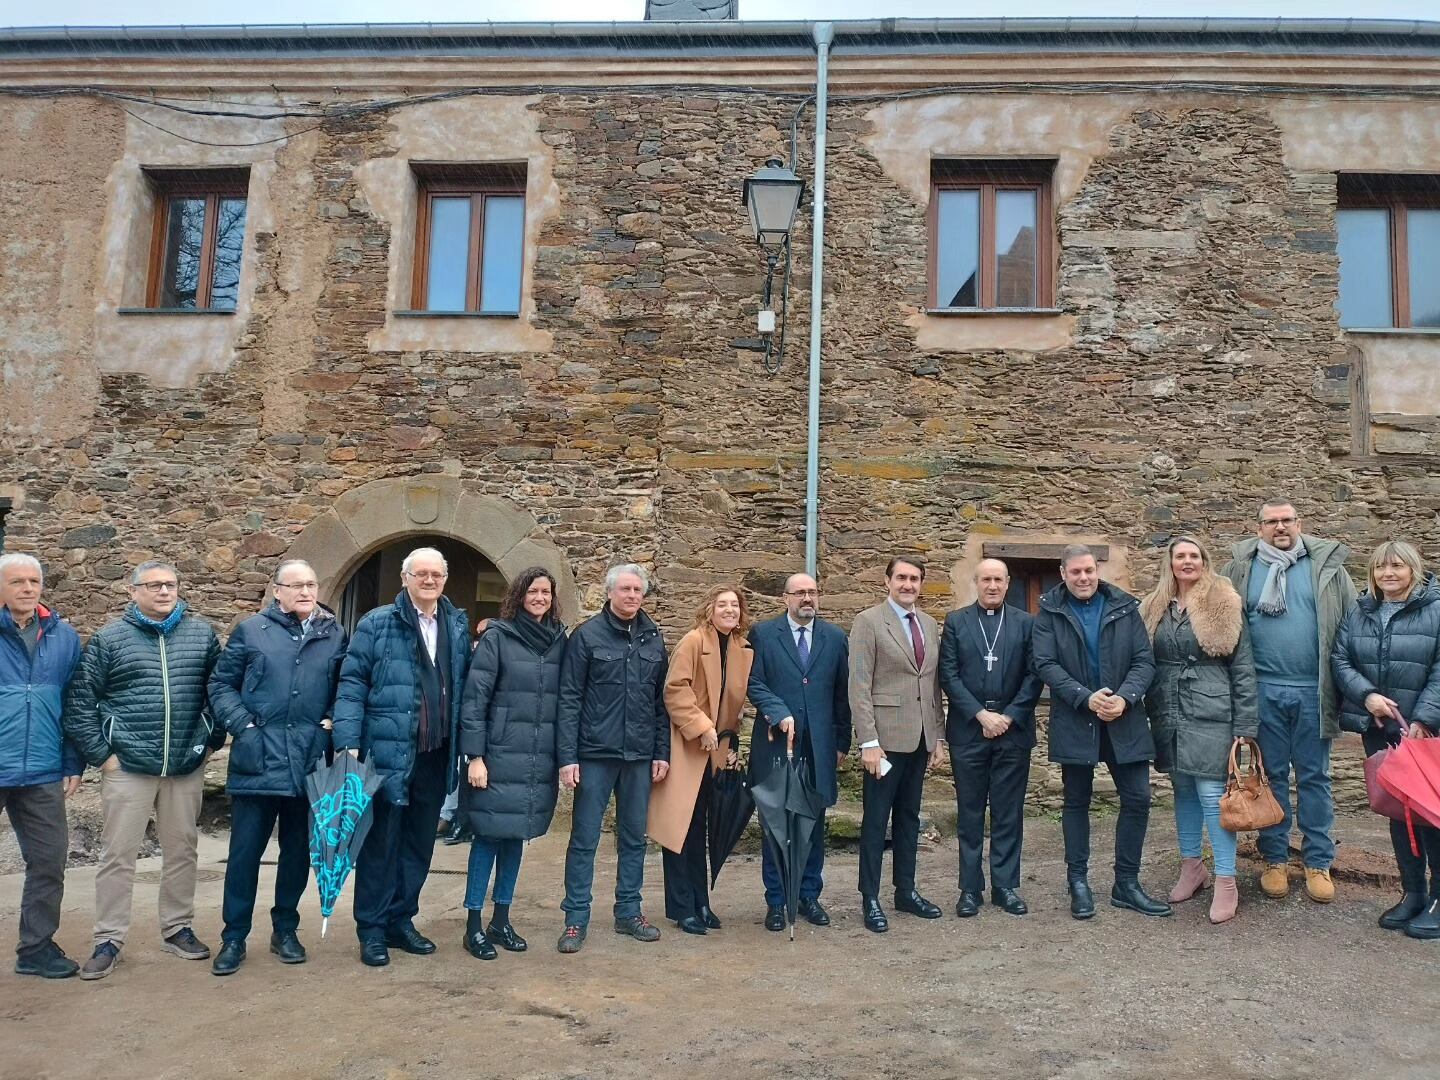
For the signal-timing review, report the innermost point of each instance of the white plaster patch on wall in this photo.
(1359, 136)
(469, 130)
(1402, 372)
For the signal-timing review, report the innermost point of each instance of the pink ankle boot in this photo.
(1193, 878)
(1226, 902)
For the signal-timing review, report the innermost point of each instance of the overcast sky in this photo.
(153, 12)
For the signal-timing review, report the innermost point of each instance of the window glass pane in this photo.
(957, 249)
(229, 241)
(1015, 214)
(184, 235)
(1364, 267)
(504, 255)
(1423, 235)
(449, 254)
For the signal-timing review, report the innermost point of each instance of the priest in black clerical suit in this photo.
(985, 673)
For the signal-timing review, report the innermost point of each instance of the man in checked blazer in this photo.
(895, 704)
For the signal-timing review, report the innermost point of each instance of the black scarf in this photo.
(537, 634)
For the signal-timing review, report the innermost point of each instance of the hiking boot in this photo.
(102, 961)
(571, 940)
(1275, 881)
(638, 927)
(1319, 885)
(184, 944)
(48, 961)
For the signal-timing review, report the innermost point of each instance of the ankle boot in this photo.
(1193, 878)
(1426, 925)
(476, 943)
(1226, 901)
(1410, 905)
(1127, 893)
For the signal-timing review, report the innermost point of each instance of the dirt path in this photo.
(1291, 989)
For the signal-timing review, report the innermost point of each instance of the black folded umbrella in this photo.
(341, 795)
(727, 814)
(789, 806)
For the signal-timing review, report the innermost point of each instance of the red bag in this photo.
(1411, 773)
(1381, 801)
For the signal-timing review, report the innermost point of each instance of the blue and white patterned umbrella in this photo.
(341, 795)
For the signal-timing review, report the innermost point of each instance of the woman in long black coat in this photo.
(1386, 662)
(507, 735)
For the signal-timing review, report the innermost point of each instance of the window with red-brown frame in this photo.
(1388, 228)
(992, 235)
(469, 238)
(198, 238)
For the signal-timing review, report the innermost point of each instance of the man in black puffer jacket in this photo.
(272, 690)
(137, 709)
(614, 736)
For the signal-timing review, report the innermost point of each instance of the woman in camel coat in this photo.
(1201, 700)
(704, 693)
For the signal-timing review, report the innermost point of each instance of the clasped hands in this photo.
(992, 723)
(1385, 708)
(1106, 704)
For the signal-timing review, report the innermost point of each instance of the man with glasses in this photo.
(137, 709)
(397, 705)
(799, 684)
(1296, 593)
(272, 691)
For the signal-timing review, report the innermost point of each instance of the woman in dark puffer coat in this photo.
(1386, 663)
(507, 734)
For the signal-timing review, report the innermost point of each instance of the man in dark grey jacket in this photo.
(137, 709)
(614, 737)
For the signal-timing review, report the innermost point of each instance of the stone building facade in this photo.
(1191, 364)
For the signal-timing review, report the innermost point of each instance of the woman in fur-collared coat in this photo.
(1201, 700)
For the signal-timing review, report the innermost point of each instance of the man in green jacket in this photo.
(137, 709)
(1296, 594)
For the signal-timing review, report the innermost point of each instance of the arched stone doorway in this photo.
(401, 511)
(475, 585)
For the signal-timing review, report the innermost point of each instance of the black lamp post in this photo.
(772, 196)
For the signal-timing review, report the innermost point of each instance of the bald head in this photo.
(802, 598)
(992, 582)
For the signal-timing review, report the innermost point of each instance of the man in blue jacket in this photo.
(398, 706)
(799, 685)
(39, 768)
(272, 690)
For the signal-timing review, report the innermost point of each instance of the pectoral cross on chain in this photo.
(990, 659)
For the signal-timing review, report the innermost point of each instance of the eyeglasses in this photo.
(157, 586)
(427, 575)
(1272, 522)
(298, 586)
(802, 592)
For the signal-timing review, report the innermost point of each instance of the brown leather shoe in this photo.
(1319, 885)
(1275, 881)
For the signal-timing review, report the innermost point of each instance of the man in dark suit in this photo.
(798, 685)
(985, 673)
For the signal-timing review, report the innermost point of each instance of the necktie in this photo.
(917, 639)
(803, 647)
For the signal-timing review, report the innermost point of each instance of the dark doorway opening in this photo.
(475, 583)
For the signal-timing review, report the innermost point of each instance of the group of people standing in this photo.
(1273, 647)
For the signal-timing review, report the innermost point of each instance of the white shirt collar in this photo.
(796, 627)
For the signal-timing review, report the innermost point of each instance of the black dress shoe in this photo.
(775, 919)
(1009, 901)
(459, 833)
(229, 958)
(476, 943)
(875, 920)
(1129, 895)
(506, 937)
(408, 939)
(1082, 900)
(692, 924)
(1410, 905)
(969, 905)
(286, 945)
(916, 904)
(373, 953)
(1426, 925)
(815, 914)
(709, 918)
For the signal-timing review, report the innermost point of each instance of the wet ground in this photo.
(1290, 989)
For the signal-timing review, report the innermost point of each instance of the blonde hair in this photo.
(707, 607)
(1396, 551)
(1159, 599)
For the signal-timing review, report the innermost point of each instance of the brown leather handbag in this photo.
(1248, 802)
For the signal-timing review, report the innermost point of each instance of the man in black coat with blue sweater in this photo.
(799, 685)
(985, 673)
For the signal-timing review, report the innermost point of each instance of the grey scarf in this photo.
(1272, 596)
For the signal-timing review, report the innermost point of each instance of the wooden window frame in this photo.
(988, 178)
(1397, 195)
(479, 183)
(210, 185)
(1033, 560)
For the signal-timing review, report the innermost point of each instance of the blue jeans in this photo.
(504, 855)
(1290, 737)
(629, 782)
(1197, 807)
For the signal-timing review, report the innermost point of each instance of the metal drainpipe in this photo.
(824, 34)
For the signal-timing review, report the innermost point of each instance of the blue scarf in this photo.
(162, 628)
